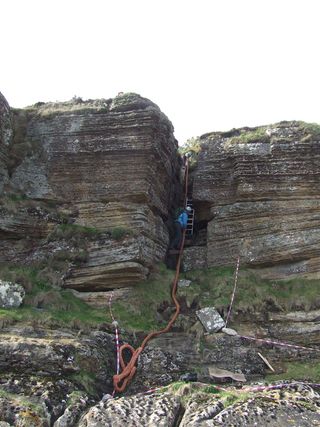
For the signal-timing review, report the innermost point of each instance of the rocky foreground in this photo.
(199, 405)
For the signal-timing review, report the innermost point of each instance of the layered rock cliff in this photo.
(86, 190)
(6, 130)
(107, 165)
(258, 191)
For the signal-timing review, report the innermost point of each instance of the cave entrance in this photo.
(201, 216)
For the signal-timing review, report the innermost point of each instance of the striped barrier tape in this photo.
(282, 344)
(115, 325)
(234, 290)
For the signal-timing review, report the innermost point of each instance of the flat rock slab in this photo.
(223, 373)
(211, 319)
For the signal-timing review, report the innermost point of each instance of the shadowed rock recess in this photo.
(259, 191)
(108, 165)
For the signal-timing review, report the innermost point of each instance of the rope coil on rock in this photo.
(121, 380)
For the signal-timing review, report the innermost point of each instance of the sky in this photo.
(210, 65)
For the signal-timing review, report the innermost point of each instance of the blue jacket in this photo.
(183, 219)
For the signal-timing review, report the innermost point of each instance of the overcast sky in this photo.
(208, 64)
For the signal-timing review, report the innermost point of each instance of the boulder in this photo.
(210, 319)
(11, 294)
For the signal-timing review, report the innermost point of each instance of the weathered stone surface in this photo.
(74, 410)
(293, 405)
(192, 405)
(52, 353)
(194, 258)
(6, 131)
(101, 299)
(41, 369)
(11, 294)
(140, 410)
(261, 186)
(229, 331)
(217, 373)
(111, 264)
(211, 319)
(110, 165)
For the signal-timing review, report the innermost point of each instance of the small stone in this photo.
(106, 397)
(184, 283)
(189, 377)
(229, 331)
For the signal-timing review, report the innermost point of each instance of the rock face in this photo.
(46, 373)
(197, 406)
(5, 139)
(110, 165)
(139, 410)
(259, 191)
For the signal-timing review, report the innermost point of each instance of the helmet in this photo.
(188, 209)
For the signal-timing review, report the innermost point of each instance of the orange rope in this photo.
(120, 381)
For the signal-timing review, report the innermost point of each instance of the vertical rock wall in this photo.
(261, 189)
(105, 164)
(5, 139)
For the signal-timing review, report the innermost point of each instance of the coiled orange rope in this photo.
(121, 380)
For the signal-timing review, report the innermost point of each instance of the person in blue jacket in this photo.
(180, 224)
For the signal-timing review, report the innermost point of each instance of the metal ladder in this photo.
(189, 229)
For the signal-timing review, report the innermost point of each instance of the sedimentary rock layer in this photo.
(110, 165)
(261, 186)
(5, 139)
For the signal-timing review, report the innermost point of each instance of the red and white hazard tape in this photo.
(234, 290)
(282, 344)
(115, 325)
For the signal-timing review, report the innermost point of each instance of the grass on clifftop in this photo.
(249, 136)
